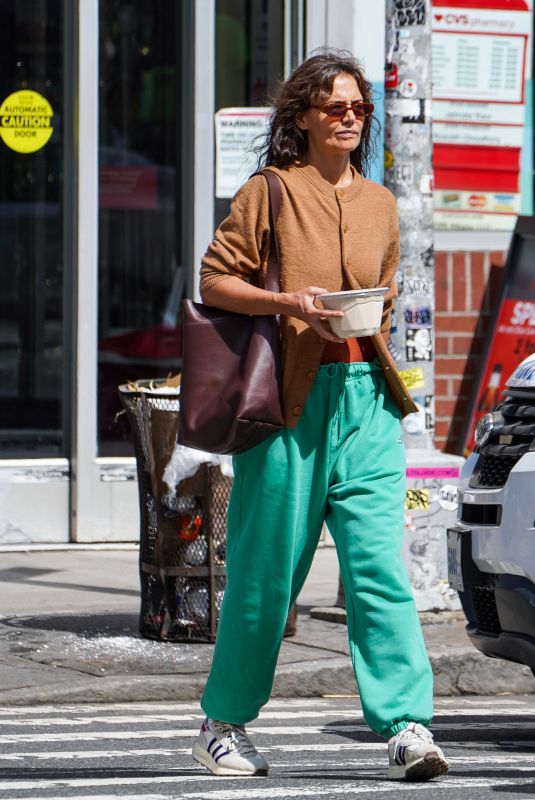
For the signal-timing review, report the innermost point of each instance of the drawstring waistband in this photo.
(342, 371)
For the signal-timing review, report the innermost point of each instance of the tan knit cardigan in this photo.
(324, 234)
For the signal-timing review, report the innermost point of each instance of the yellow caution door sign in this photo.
(25, 121)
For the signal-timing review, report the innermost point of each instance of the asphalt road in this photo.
(317, 748)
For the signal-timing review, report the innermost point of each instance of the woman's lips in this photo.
(347, 134)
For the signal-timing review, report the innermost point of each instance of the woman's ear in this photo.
(300, 121)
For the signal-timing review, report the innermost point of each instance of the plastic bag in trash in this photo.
(196, 604)
(184, 462)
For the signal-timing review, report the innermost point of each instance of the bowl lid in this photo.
(377, 292)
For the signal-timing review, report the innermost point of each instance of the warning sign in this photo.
(236, 131)
(25, 121)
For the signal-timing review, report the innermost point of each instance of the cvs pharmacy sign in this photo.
(452, 19)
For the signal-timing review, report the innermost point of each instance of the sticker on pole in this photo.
(448, 497)
(25, 121)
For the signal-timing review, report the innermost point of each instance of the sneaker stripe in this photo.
(216, 750)
(211, 744)
(226, 753)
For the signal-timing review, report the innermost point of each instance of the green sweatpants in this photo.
(344, 463)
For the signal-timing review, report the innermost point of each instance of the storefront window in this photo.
(249, 63)
(141, 275)
(32, 353)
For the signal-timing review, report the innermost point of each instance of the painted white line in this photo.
(173, 752)
(39, 715)
(312, 791)
(125, 780)
(255, 791)
(106, 797)
(280, 730)
(443, 707)
(316, 791)
(339, 747)
(95, 736)
(78, 719)
(93, 708)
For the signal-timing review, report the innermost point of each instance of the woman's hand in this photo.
(233, 294)
(302, 305)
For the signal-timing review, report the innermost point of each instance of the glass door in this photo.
(34, 276)
(142, 245)
(133, 246)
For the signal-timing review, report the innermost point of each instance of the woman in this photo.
(340, 456)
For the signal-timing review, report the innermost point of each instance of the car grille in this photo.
(492, 471)
(512, 437)
(486, 614)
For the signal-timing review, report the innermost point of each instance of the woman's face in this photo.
(334, 136)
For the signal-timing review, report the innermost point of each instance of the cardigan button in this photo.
(311, 375)
(297, 411)
(345, 228)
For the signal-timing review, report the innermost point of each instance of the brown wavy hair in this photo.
(309, 84)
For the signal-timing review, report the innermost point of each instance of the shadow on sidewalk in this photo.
(88, 625)
(29, 575)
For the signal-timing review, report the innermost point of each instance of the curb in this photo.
(463, 671)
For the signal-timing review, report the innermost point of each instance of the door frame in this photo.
(103, 491)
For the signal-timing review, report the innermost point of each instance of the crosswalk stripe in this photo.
(284, 792)
(87, 714)
(317, 747)
(94, 736)
(174, 751)
(258, 792)
(126, 720)
(73, 708)
(281, 730)
(103, 797)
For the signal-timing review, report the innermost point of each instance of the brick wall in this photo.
(466, 289)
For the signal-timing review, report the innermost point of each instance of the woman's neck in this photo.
(335, 170)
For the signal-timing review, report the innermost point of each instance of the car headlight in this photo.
(485, 426)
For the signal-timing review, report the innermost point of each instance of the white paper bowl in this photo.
(363, 309)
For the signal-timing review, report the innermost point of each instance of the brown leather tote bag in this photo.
(230, 384)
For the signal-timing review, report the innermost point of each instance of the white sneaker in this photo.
(413, 756)
(226, 749)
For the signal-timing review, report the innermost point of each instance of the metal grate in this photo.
(492, 471)
(487, 620)
(182, 530)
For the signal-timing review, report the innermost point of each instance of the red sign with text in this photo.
(511, 337)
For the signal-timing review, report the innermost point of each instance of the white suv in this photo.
(491, 550)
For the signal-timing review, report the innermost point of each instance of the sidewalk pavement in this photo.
(68, 634)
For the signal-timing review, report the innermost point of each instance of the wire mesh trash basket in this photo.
(182, 526)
